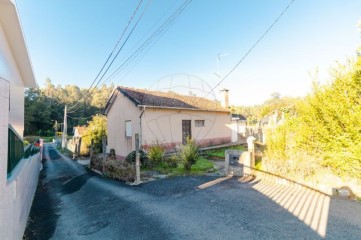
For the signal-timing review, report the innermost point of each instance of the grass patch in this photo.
(219, 153)
(47, 139)
(201, 167)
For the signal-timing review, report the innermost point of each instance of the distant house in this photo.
(270, 121)
(78, 131)
(19, 169)
(141, 117)
(238, 126)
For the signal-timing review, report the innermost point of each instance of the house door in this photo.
(186, 130)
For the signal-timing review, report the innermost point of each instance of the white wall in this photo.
(10, 73)
(17, 190)
(122, 110)
(165, 126)
(17, 196)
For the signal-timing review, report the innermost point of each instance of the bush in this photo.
(142, 157)
(172, 161)
(156, 153)
(325, 129)
(31, 139)
(120, 170)
(189, 154)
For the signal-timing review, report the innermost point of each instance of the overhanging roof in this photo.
(164, 100)
(11, 25)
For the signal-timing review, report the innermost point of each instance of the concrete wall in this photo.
(165, 126)
(17, 191)
(122, 110)
(10, 73)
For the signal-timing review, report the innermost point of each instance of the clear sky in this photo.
(69, 41)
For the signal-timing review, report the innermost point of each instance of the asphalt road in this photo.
(72, 203)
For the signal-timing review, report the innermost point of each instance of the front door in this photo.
(186, 130)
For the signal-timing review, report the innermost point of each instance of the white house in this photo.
(137, 117)
(18, 171)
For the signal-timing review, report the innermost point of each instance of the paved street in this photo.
(71, 203)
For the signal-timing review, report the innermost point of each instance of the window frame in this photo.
(128, 128)
(199, 123)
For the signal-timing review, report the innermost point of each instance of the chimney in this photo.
(224, 98)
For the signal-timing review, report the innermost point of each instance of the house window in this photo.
(199, 123)
(128, 128)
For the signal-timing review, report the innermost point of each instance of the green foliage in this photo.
(172, 161)
(326, 127)
(45, 106)
(130, 158)
(257, 112)
(220, 152)
(330, 121)
(96, 130)
(156, 153)
(189, 154)
(26, 143)
(200, 167)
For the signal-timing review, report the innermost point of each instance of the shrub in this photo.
(172, 161)
(189, 154)
(120, 170)
(156, 153)
(96, 162)
(142, 157)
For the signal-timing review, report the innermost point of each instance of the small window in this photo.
(199, 123)
(128, 128)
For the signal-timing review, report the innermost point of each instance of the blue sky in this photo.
(69, 41)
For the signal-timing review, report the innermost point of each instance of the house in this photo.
(78, 131)
(19, 169)
(75, 145)
(239, 127)
(139, 117)
(270, 121)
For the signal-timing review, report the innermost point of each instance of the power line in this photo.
(112, 52)
(252, 47)
(79, 118)
(116, 45)
(132, 59)
(151, 40)
(126, 40)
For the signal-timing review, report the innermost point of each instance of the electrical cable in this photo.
(252, 47)
(152, 39)
(112, 52)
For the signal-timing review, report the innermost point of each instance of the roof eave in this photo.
(13, 30)
(188, 109)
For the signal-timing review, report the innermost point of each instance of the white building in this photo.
(141, 117)
(18, 176)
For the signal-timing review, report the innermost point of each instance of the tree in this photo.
(46, 105)
(326, 125)
(96, 130)
(275, 95)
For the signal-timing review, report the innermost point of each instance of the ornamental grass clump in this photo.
(189, 154)
(156, 153)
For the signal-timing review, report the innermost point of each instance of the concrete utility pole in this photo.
(63, 142)
(137, 161)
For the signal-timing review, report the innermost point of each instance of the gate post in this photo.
(249, 163)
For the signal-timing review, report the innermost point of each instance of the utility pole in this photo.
(63, 142)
